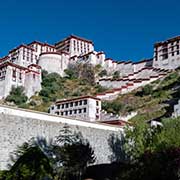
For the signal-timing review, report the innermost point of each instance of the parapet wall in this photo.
(18, 126)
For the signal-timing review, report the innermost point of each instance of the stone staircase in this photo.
(128, 83)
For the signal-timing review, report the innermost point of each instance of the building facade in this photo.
(87, 108)
(75, 46)
(73, 49)
(167, 54)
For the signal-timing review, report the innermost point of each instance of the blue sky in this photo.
(124, 29)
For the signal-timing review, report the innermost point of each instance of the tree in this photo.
(17, 95)
(31, 161)
(139, 139)
(74, 154)
(112, 107)
(64, 159)
(142, 137)
(70, 73)
(50, 85)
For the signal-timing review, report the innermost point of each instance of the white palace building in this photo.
(22, 66)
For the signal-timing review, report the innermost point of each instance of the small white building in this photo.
(87, 108)
(14, 75)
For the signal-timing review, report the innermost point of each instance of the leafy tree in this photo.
(74, 154)
(50, 85)
(66, 158)
(17, 95)
(112, 107)
(31, 162)
(70, 73)
(158, 165)
(141, 137)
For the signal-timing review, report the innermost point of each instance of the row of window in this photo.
(47, 48)
(71, 104)
(3, 72)
(14, 74)
(165, 56)
(72, 112)
(81, 46)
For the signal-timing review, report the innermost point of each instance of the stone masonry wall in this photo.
(18, 126)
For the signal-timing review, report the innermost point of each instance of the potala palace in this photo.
(23, 65)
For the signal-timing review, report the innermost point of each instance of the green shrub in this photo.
(112, 107)
(147, 90)
(17, 95)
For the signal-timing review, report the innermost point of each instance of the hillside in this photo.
(153, 101)
(79, 81)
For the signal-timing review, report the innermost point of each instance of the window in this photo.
(58, 106)
(165, 56)
(67, 105)
(71, 104)
(20, 75)
(52, 107)
(14, 73)
(76, 103)
(57, 113)
(80, 103)
(177, 52)
(85, 102)
(75, 111)
(97, 110)
(97, 103)
(66, 113)
(172, 53)
(80, 110)
(34, 76)
(70, 112)
(62, 106)
(84, 110)
(62, 113)
(97, 117)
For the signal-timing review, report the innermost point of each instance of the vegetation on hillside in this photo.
(79, 81)
(153, 101)
(154, 152)
(17, 96)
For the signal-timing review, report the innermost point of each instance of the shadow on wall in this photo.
(116, 147)
(117, 158)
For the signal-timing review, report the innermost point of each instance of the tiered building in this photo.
(23, 65)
